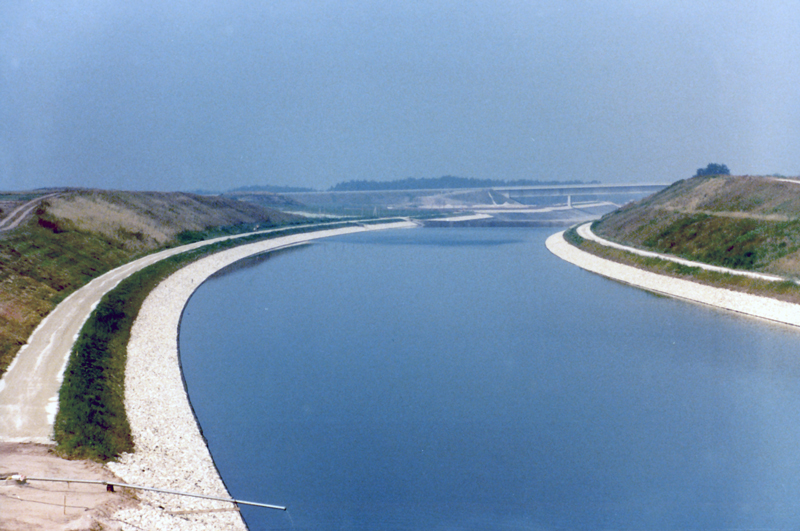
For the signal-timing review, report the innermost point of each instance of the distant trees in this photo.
(713, 169)
(272, 189)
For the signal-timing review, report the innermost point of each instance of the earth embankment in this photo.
(61, 241)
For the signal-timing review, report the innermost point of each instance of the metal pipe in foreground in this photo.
(139, 487)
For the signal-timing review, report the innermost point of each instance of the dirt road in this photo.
(29, 389)
(21, 212)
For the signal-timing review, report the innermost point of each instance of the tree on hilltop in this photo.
(713, 169)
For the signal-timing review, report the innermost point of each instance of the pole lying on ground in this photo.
(22, 478)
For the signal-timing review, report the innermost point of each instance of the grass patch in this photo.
(40, 265)
(48, 257)
(192, 236)
(748, 244)
(572, 236)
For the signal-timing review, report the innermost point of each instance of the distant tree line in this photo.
(272, 189)
(441, 182)
(713, 169)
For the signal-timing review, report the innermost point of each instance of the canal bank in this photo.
(734, 301)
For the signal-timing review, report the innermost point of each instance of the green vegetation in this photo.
(713, 169)
(736, 243)
(41, 263)
(78, 236)
(192, 236)
(91, 421)
(572, 236)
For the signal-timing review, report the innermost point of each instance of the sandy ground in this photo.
(51, 506)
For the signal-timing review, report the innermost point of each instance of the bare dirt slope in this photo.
(153, 218)
(48, 506)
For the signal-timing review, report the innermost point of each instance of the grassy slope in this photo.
(748, 223)
(82, 234)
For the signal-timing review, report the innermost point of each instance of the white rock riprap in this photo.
(170, 451)
(735, 301)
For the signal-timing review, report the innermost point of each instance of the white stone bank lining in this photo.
(735, 301)
(170, 451)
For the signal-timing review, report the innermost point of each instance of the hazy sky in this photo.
(189, 94)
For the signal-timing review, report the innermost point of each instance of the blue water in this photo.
(466, 379)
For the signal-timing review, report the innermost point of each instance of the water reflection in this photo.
(254, 261)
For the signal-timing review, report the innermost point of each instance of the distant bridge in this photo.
(513, 192)
(469, 197)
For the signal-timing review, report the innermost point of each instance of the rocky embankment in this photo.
(171, 453)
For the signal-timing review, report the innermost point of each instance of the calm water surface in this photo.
(466, 379)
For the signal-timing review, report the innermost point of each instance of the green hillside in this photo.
(750, 223)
